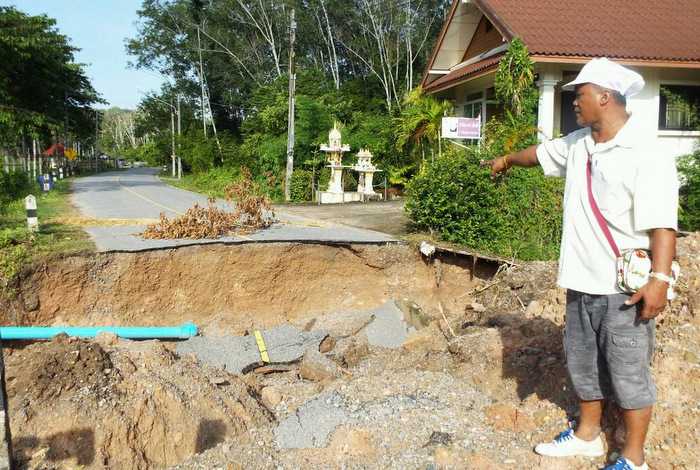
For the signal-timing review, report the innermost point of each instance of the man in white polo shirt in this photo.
(609, 336)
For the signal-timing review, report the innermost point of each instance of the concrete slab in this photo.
(284, 344)
(388, 329)
(313, 423)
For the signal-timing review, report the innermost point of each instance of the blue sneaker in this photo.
(624, 464)
(567, 444)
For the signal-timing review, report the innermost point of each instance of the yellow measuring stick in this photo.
(261, 346)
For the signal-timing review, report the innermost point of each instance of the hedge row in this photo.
(518, 216)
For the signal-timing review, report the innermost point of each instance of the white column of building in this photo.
(545, 111)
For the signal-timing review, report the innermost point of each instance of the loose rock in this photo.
(271, 396)
(350, 351)
(318, 368)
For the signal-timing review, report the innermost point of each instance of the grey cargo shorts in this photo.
(608, 350)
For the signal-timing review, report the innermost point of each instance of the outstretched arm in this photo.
(525, 158)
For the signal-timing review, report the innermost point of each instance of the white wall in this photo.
(646, 105)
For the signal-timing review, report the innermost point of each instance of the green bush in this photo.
(13, 186)
(519, 217)
(349, 181)
(155, 152)
(689, 172)
(13, 252)
(198, 154)
(215, 180)
(324, 177)
(300, 187)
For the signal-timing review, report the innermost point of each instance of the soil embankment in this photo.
(233, 287)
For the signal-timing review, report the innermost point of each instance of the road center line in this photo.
(119, 180)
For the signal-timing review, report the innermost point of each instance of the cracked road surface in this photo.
(137, 194)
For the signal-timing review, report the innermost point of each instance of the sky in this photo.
(99, 28)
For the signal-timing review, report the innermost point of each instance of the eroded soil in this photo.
(229, 287)
(478, 384)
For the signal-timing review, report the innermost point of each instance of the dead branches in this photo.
(252, 211)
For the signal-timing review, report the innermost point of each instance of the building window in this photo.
(568, 122)
(472, 110)
(482, 104)
(679, 107)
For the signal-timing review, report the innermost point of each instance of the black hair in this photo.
(618, 97)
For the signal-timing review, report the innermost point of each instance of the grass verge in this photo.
(19, 246)
(212, 184)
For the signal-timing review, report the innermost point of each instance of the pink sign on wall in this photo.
(461, 128)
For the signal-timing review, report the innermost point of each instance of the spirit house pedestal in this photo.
(334, 156)
(366, 171)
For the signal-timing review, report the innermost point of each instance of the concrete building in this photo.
(658, 39)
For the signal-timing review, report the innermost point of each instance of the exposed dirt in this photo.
(478, 384)
(229, 288)
(126, 405)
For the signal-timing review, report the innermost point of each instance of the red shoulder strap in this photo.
(596, 211)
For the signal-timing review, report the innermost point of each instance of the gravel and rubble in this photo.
(472, 388)
(483, 398)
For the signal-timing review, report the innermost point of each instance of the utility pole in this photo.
(96, 148)
(201, 81)
(172, 134)
(33, 159)
(179, 134)
(290, 119)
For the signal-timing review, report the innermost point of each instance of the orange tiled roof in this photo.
(662, 30)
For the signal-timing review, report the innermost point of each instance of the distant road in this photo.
(133, 194)
(138, 194)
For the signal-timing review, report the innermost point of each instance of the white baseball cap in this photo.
(611, 75)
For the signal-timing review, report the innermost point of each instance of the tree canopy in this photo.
(356, 60)
(244, 44)
(43, 92)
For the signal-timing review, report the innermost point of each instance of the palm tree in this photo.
(420, 121)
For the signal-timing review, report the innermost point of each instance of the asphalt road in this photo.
(138, 194)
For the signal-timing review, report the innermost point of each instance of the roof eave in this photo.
(580, 59)
(438, 44)
(459, 81)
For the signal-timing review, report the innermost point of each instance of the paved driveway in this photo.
(138, 194)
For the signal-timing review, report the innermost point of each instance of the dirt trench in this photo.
(120, 404)
(231, 287)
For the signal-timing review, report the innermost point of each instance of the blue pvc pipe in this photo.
(184, 331)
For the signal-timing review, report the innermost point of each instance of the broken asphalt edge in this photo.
(339, 243)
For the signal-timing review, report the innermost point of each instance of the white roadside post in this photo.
(60, 173)
(32, 219)
(47, 182)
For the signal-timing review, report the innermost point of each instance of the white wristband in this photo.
(663, 277)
